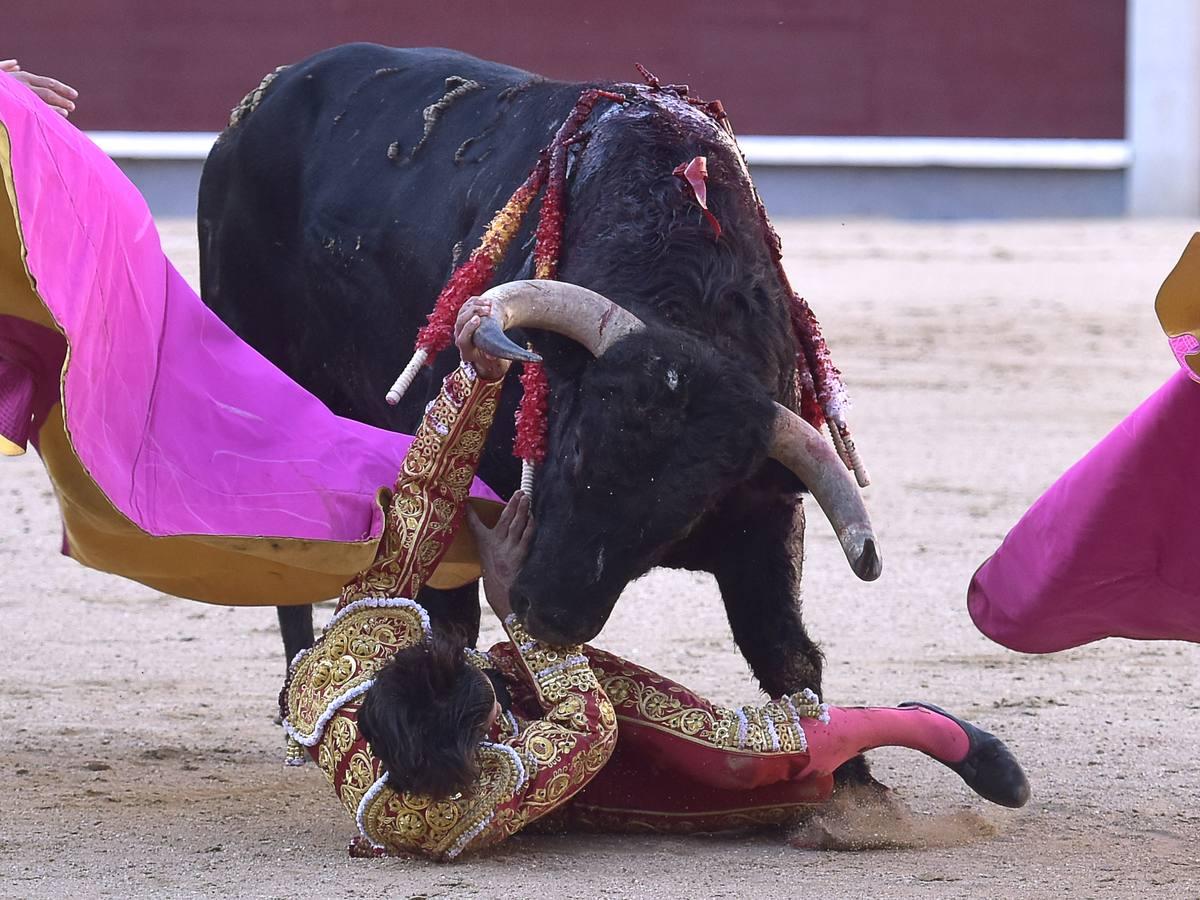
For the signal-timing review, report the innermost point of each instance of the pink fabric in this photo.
(31, 358)
(1184, 346)
(1112, 549)
(186, 429)
(16, 402)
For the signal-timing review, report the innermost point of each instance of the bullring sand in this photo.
(141, 759)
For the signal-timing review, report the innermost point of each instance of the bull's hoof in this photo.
(989, 768)
(857, 773)
(860, 815)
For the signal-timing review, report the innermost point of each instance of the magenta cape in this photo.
(1112, 548)
(180, 456)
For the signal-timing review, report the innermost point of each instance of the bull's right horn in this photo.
(568, 309)
(801, 448)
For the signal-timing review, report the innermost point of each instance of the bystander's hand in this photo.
(58, 96)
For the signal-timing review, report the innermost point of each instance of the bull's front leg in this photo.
(758, 569)
(296, 629)
(455, 608)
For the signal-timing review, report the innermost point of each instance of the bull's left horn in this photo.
(568, 309)
(801, 448)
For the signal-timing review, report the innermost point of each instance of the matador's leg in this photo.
(684, 764)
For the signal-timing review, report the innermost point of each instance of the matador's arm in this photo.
(423, 513)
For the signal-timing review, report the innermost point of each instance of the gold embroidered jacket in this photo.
(527, 769)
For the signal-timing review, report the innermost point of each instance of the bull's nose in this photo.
(553, 627)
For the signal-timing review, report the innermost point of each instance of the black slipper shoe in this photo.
(989, 768)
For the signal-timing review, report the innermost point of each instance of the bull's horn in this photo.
(800, 447)
(568, 309)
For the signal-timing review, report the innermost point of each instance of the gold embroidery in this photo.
(650, 699)
(566, 783)
(358, 776)
(477, 659)
(417, 530)
(326, 761)
(558, 672)
(544, 765)
(348, 654)
(342, 735)
(434, 481)
(406, 822)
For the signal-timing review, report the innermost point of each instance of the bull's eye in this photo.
(599, 573)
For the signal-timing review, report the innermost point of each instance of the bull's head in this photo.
(641, 449)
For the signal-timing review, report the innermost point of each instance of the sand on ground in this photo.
(140, 757)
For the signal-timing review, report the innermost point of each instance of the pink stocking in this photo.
(854, 730)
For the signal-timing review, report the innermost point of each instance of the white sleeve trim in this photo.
(361, 813)
(384, 603)
(311, 740)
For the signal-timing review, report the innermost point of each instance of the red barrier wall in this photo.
(1006, 68)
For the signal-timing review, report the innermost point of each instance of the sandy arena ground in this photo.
(140, 758)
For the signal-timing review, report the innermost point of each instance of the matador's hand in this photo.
(502, 550)
(474, 311)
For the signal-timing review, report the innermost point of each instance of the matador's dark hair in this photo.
(425, 716)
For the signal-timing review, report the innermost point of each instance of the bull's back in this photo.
(331, 214)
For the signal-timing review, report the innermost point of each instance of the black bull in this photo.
(333, 212)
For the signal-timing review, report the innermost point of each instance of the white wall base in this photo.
(913, 178)
(170, 187)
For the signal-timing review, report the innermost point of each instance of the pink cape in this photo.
(1112, 548)
(184, 429)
